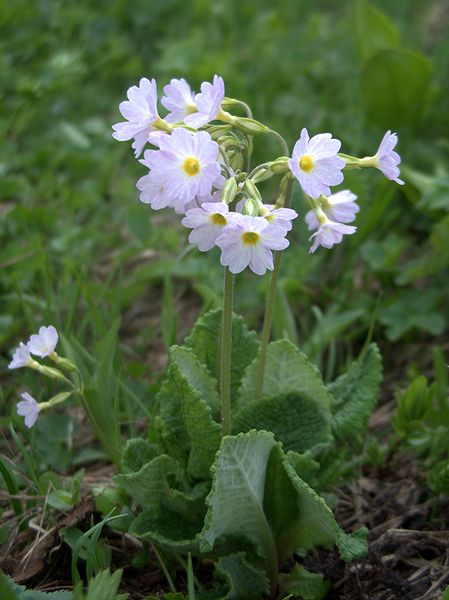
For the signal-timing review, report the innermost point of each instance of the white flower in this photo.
(207, 102)
(280, 216)
(249, 241)
(386, 159)
(21, 357)
(330, 233)
(315, 163)
(207, 223)
(28, 408)
(184, 168)
(140, 110)
(43, 343)
(179, 100)
(340, 208)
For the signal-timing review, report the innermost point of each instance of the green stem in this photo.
(281, 140)
(269, 309)
(226, 348)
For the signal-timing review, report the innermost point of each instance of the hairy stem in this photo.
(226, 348)
(269, 309)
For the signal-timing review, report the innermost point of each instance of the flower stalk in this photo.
(226, 350)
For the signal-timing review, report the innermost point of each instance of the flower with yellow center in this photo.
(207, 223)
(315, 163)
(248, 242)
(184, 169)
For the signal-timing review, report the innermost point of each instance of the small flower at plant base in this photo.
(340, 208)
(386, 159)
(185, 167)
(207, 223)
(315, 163)
(248, 242)
(43, 343)
(208, 103)
(28, 408)
(140, 110)
(179, 100)
(21, 357)
(282, 217)
(329, 233)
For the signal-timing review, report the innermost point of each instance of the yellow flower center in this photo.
(218, 219)
(269, 218)
(306, 163)
(250, 238)
(191, 166)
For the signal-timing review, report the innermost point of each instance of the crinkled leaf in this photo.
(356, 393)
(137, 453)
(188, 431)
(305, 585)
(10, 590)
(305, 466)
(205, 341)
(296, 420)
(168, 529)
(287, 370)
(244, 580)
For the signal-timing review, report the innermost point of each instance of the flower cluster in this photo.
(198, 149)
(42, 345)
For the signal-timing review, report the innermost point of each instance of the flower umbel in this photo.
(28, 408)
(315, 163)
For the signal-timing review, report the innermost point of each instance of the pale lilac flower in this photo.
(386, 159)
(28, 408)
(21, 357)
(340, 208)
(140, 112)
(330, 233)
(315, 163)
(184, 168)
(200, 200)
(280, 216)
(208, 103)
(43, 343)
(179, 100)
(249, 241)
(207, 223)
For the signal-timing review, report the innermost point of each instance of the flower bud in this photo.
(262, 175)
(251, 207)
(216, 131)
(236, 160)
(280, 165)
(64, 363)
(251, 191)
(47, 371)
(229, 190)
(228, 103)
(250, 126)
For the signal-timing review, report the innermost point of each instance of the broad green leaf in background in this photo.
(372, 29)
(395, 85)
(205, 340)
(296, 419)
(356, 393)
(137, 453)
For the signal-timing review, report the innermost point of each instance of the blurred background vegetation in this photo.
(78, 249)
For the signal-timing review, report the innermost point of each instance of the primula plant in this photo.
(248, 436)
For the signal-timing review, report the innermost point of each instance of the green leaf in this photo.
(105, 586)
(296, 420)
(413, 406)
(373, 30)
(395, 85)
(356, 393)
(304, 584)
(204, 341)
(305, 466)
(136, 454)
(287, 371)
(244, 580)
(10, 590)
(188, 431)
